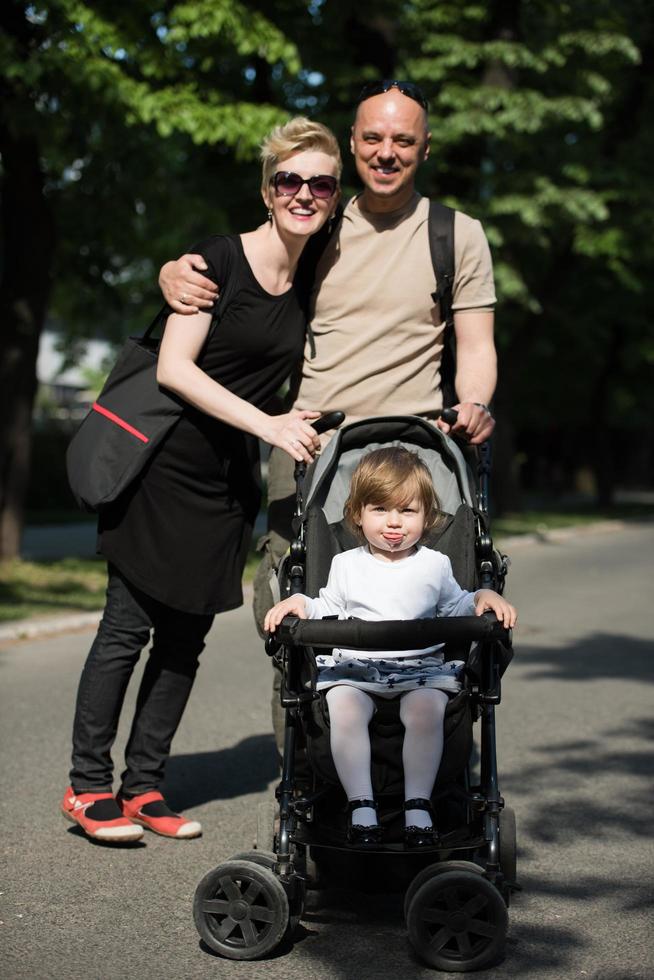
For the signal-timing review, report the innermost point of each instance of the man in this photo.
(378, 334)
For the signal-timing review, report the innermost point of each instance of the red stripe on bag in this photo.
(118, 421)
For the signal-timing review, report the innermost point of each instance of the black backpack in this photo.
(441, 246)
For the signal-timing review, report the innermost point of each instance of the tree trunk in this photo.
(28, 246)
(602, 437)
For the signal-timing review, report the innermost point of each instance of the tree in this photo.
(120, 126)
(84, 82)
(541, 129)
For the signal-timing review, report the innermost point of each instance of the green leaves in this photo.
(148, 117)
(175, 70)
(247, 31)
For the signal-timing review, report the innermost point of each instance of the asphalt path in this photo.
(575, 731)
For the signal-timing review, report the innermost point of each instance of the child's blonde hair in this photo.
(296, 136)
(391, 476)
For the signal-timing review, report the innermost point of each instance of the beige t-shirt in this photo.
(378, 333)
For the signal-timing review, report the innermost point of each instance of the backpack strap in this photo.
(441, 246)
(306, 271)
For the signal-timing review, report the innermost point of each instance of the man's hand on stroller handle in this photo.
(488, 601)
(293, 606)
(471, 420)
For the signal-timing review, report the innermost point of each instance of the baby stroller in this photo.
(457, 892)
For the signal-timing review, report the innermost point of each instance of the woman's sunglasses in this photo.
(386, 84)
(288, 184)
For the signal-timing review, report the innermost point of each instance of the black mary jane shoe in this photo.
(416, 837)
(357, 834)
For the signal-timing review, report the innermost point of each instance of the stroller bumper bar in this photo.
(355, 634)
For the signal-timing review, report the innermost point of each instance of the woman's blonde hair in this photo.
(391, 476)
(296, 136)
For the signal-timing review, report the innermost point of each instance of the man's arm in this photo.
(476, 374)
(185, 289)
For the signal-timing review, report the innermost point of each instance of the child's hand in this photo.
(294, 605)
(486, 600)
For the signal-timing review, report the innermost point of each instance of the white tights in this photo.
(421, 711)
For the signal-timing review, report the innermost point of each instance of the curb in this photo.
(34, 629)
(30, 629)
(556, 535)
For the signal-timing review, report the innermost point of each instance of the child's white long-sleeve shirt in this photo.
(417, 587)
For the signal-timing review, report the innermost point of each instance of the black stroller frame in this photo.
(458, 891)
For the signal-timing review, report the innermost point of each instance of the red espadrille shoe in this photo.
(99, 816)
(151, 811)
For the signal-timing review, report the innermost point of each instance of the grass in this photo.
(70, 585)
(541, 521)
(41, 588)
(45, 588)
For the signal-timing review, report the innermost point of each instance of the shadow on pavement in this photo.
(365, 935)
(627, 895)
(247, 767)
(598, 656)
(116, 845)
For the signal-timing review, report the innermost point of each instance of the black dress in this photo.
(181, 534)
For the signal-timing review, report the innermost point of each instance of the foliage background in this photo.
(128, 131)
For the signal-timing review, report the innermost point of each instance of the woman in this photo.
(176, 543)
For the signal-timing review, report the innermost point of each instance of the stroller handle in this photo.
(415, 634)
(331, 420)
(450, 416)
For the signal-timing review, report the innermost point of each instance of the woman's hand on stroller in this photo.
(486, 600)
(293, 606)
(293, 433)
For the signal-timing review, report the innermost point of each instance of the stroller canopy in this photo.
(330, 477)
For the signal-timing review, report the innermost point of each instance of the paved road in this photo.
(575, 733)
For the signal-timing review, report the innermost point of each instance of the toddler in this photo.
(391, 506)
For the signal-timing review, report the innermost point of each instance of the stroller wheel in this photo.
(457, 921)
(241, 910)
(266, 859)
(436, 869)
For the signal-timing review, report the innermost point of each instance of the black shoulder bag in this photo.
(131, 415)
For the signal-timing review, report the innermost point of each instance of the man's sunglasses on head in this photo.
(288, 184)
(386, 84)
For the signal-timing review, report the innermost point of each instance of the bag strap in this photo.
(441, 246)
(226, 292)
(164, 312)
(227, 288)
(311, 254)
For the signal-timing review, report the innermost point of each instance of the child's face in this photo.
(392, 530)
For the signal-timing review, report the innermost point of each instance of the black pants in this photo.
(128, 619)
